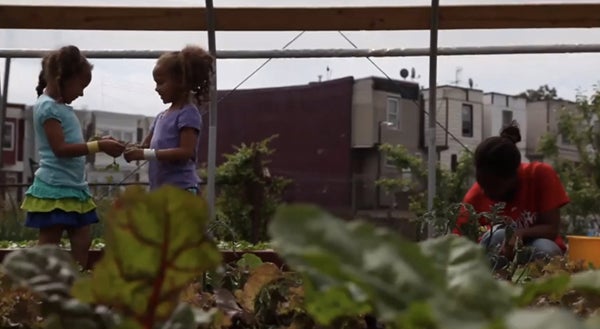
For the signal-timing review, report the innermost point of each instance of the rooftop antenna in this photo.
(470, 83)
(457, 73)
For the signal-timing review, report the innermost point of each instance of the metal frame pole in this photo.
(432, 147)
(212, 113)
(331, 53)
(3, 108)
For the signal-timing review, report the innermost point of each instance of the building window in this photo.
(11, 178)
(123, 135)
(139, 135)
(103, 132)
(453, 162)
(8, 143)
(507, 118)
(393, 112)
(117, 134)
(467, 120)
(389, 162)
(407, 177)
(128, 137)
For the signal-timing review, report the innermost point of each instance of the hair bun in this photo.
(512, 132)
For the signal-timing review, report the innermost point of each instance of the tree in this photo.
(581, 178)
(543, 93)
(451, 186)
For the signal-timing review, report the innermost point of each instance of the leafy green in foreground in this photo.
(49, 272)
(156, 245)
(156, 249)
(164, 233)
(442, 283)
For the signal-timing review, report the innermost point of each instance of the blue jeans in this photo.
(540, 248)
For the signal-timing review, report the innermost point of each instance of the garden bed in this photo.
(231, 251)
(267, 256)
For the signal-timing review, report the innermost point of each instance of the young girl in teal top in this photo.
(59, 198)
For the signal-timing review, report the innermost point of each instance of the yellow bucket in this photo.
(585, 248)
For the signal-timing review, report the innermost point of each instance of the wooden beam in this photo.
(293, 19)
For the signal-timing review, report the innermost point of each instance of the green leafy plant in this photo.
(19, 308)
(171, 252)
(354, 268)
(156, 247)
(114, 166)
(248, 194)
(100, 243)
(262, 296)
(64, 243)
(581, 178)
(156, 244)
(14, 233)
(50, 272)
(12, 225)
(451, 187)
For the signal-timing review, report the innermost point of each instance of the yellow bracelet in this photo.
(93, 147)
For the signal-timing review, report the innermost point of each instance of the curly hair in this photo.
(61, 65)
(499, 155)
(193, 67)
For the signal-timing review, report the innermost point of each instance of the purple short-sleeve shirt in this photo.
(165, 135)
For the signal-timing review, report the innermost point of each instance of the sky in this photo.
(125, 85)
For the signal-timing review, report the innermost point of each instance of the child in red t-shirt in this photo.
(532, 193)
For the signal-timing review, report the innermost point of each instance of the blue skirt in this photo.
(59, 217)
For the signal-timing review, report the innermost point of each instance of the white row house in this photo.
(467, 116)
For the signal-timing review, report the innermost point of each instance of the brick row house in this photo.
(329, 133)
(14, 153)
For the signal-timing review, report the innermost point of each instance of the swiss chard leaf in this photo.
(350, 266)
(353, 268)
(156, 244)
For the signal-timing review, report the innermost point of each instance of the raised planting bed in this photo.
(231, 251)
(269, 256)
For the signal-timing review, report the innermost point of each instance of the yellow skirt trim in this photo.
(33, 204)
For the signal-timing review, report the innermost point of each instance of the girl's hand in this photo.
(134, 155)
(510, 245)
(111, 147)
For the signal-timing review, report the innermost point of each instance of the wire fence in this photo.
(357, 196)
(12, 217)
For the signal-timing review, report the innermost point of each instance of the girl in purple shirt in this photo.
(182, 80)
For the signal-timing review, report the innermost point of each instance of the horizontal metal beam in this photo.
(500, 16)
(329, 53)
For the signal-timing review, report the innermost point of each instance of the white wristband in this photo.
(149, 154)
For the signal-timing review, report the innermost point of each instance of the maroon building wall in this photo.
(314, 144)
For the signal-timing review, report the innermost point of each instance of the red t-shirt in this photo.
(540, 191)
